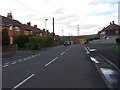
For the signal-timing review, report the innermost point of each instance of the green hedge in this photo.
(38, 42)
(21, 40)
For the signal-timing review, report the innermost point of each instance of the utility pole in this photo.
(78, 30)
(62, 32)
(53, 28)
(45, 24)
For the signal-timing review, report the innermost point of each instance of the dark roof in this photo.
(112, 27)
(30, 28)
(7, 22)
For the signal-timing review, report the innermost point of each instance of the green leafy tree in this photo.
(5, 37)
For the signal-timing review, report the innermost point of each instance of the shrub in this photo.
(21, 40)
(5, 37)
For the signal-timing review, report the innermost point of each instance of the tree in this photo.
(5, 37)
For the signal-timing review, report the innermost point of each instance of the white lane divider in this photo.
(94, 60)
(67, 49)
(51, 61)
(62, 53)
(19, 60)
(23, 82)
(86, 50)
(25, 59)
(14, 62)
(5, 65)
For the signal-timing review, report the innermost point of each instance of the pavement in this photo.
(57, 67)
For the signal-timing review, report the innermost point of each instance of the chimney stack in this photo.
(113, 22)
(9, 15)
(35, 26)
(29, 23)
(110, 23)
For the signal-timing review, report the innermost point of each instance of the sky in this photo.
(90, 15)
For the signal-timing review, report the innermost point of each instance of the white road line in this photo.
(62, 53)
(67, 49)
(91, 49)
(86, 50)
(32, 56)
(19, 60)
(7, 63)
(13, 63)
(23, 82)
(94, 60)
(25, 59)
(51, 61)
(5, 66)
(28, 57)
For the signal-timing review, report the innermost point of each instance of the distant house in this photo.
(111, 31)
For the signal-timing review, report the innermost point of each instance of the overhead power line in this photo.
(31, 8)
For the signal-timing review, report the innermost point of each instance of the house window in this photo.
(10, 28)
(11, 40)
(116, 31)
(31, 32)
(103, 32)
(17, 28)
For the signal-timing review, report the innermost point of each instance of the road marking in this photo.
(62, 53)
(19, 60)
(32, 56)
(67, 49)
(51, 61)
(23, 82)
(13, 62)
(28, 57)
(5, 66)
(7, 63)
(91, 50)
(25, 59)
(94, 60)
(86, 50)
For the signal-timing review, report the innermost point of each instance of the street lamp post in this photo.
(45, 24)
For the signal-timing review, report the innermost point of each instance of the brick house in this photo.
(29, 30)
(13, 27)
(111, 31)
(16, 28)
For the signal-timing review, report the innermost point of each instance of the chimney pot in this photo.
(9, 15)
(29, 23)
(113, 22)
(35, 26)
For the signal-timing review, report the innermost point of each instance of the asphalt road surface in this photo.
(58, 67)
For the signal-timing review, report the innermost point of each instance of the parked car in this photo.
(66, 43)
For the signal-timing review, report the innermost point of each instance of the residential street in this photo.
(57, 67)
